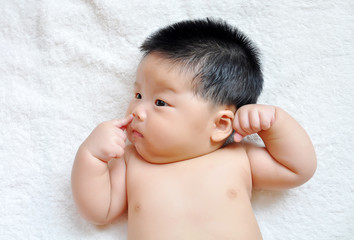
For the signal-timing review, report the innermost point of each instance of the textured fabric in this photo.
(67, 65)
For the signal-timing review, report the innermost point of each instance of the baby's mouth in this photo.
(137, 134)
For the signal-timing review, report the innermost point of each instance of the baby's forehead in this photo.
(165, 69)
(160, 60)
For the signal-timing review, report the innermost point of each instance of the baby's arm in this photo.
(98, 174)
(288, 159)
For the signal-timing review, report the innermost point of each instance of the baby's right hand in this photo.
(107, 140)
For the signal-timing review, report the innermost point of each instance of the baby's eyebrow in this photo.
(161, 88)
(166, 88)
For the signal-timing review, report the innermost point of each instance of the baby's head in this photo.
(192, 78)
(223, 60)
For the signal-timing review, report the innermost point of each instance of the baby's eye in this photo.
(138, 96)
(160, 103)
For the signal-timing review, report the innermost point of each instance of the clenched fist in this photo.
(251, 119)
(107, 140)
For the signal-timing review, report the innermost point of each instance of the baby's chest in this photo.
(182, 186)
(208, 198)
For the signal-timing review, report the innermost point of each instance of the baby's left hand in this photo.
(253, 118)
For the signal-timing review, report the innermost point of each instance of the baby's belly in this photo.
(166, 204)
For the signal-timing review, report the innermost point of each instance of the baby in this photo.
(180, 178)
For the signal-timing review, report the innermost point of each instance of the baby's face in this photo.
(170, 122)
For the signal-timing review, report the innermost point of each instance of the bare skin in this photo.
(204, 198)
(176, 179)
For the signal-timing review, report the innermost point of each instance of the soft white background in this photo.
(67, 65)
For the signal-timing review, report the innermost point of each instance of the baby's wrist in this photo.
(87, 151)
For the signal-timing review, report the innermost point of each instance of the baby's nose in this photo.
(139, 113)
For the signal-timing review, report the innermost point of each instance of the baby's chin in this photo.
(154, 157)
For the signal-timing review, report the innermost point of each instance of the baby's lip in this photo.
(136, 132)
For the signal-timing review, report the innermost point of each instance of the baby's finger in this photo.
(254, 119)
(267, 119)
(244, 123)
(121, 134)
(117, 153)
(237, 137)
(239, 133)
(124, 122)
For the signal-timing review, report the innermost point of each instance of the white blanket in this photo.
(67, 65)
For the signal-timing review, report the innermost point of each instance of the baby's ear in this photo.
(222, 125)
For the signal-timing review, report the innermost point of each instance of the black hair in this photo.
(225, 62)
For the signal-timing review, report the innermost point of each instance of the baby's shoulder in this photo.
(233, 149)
(233, 152)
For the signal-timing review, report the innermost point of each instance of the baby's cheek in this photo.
(129, 134)
(129, 111)
(130, 107)
(160, 133)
